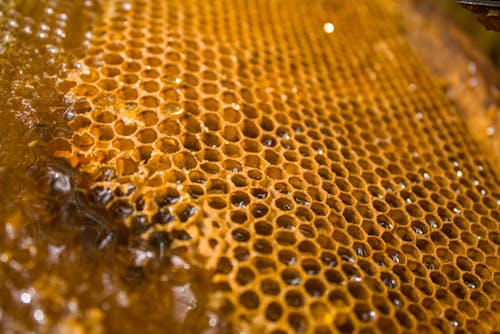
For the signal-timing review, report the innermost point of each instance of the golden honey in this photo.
(234, 166)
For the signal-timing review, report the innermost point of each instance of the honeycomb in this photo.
(298, 150)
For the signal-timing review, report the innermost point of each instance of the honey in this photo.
(233, 166)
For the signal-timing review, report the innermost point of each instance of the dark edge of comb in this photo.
(487, 12)
(489, 3)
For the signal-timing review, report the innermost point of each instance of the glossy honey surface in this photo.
(236, 167)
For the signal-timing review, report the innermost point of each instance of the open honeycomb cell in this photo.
(320, 174)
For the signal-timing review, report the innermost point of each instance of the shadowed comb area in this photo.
(298, 151)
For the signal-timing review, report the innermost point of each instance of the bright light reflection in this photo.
(39, 315)
(25, 298)
(328, 27)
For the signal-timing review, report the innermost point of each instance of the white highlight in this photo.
(328, 28)
(39, 315)
(25, 298)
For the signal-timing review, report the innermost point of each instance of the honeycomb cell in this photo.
(274, 311)
(249, 299)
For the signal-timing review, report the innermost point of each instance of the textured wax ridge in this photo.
(316, 169)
